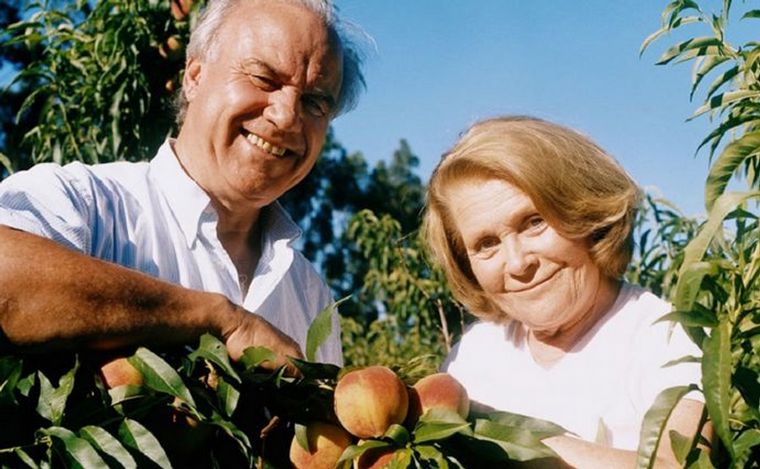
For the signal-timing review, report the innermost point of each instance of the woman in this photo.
(532, 223)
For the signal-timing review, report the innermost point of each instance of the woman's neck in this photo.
(549, 348)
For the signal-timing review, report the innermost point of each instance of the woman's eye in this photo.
(486, 244)
(535, 223)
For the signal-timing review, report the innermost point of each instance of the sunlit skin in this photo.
(535, 275)
(274, 77)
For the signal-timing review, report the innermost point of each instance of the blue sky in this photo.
(442, 64)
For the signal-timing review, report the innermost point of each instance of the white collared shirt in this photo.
(154, 218)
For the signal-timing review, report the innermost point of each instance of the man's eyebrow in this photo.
(253, 62)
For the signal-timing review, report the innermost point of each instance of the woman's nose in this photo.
(518, 260)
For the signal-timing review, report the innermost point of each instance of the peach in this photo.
(326, 444)
(119, 372)
(439, 390)
(369, 400)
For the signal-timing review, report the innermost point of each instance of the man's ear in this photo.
(191, 78)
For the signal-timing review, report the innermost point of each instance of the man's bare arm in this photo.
(52, 297)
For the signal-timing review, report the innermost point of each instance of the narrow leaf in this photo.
(108, 444)
(744, 444)
(138, 437)
(320, 329)
(731, 159)
(752, 14)
(213, 350)
(228, 396)
(52, 401)
(680, 444)
(159, 375)
(723, 99)
(716, 380)
(693, 318)
(77, 450)
(696, 43)
(696, 248)
(354, 451)
(655, 420)
(255, 356)
(519, 443)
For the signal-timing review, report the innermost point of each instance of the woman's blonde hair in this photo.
(579, 189)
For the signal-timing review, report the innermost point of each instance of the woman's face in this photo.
(530, 271)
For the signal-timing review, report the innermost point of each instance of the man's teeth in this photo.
(266, 146)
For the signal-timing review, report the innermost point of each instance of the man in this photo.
(123, 253)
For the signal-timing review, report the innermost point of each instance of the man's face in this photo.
(260, 104)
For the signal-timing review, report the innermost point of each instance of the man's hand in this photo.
(251, 330)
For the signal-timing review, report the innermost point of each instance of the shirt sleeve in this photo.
(49, 201)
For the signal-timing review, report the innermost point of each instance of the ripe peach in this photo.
(439, 390)
(369, 400)
(326, 443)
(181, 8)
(375, 458)
(119, 372)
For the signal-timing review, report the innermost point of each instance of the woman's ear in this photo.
(191, 78)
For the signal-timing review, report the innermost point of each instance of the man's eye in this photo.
(316, 106)
(263, 82)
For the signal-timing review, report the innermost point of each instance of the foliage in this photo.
(420, 316)
(716, 296)
(197, 408)
(104, 79)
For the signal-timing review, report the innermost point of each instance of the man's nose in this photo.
(518, 260)
(284, 110)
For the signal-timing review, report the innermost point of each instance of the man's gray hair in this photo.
(203, 44)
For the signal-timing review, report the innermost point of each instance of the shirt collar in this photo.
(187, 201)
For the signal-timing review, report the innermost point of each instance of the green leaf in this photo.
(428, 454)
(398, 434)
(302, 437)
(320, 329)
(690, 284)
(724, 99)
(730, 160)
(696, 248)
(10, 372)
(705, 66)
(438, 424)
(354, 451)
(519, 443)
(108, 444)
(543, 428)
(680, 444)
(228, 396)
(693, 318)
(213, 350)
(52, 402)
(751, 14)
(702, 462)
(655, 420)
(716, 380)
(255, 356)
(313, 370)
(744, 444)
(693, 44)
(6, 163)
(76, 450)
(139, 438)
(159, 375)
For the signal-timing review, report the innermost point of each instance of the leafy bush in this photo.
(716, 296)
